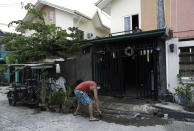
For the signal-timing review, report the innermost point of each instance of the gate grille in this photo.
(107, 67)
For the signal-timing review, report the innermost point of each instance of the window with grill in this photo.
(186, 61)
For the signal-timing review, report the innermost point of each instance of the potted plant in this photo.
(69, 102)
(62, 101)
(184, 91)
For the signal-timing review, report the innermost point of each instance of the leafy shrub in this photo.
(185, 90)
(57, 97)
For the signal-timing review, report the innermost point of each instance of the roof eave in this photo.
(102, 27)
(102, 3)
(152, 33)
(39, 4)
(79, 14)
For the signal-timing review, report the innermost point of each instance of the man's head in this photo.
(99, 85)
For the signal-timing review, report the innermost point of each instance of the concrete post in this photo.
(161, 14)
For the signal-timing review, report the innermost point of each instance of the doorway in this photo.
(135, 21)
(129, 76)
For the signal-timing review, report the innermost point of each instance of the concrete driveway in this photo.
(21, 118)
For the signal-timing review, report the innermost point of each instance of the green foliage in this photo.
(185, 90)
(52, 97)
(69, 90)
(57, 97)
(47, 39)
(61, 97)
(3, 68)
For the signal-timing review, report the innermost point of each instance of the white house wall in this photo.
(121, 9)
(172, 59)
(63, 20)
(88, 27)
(29, 32)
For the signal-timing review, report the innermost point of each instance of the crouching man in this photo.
(82, 91)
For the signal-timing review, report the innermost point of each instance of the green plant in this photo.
(46, 41)
(43, 93)
(185, 90)
(57, 97)
(69, 102)
(3, 68)
(69, 91)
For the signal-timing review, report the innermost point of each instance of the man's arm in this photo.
(94, 89)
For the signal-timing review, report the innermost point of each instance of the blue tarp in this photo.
(2, 56)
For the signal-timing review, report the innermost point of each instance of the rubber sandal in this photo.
(94, 120)
(78, 114)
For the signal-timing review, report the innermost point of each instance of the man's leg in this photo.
(90, 108)
(77, 109)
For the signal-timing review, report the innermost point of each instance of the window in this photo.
(186, 61)
(127, 24)
(130, 22)
(51, 16)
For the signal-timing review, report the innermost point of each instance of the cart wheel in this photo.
(11, 99)
(12, 102)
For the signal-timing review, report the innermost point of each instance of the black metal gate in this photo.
(107, 69)
(107, 72)
(147, 73)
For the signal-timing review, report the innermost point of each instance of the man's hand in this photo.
(100, 112)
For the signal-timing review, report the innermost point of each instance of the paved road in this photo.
(25, 119)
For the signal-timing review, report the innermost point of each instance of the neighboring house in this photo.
(177, 16)
(180, 50)
(91, 24)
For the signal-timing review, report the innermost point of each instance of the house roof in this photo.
(146, 34)
(40, 3)
(75, 11)
(104, 5)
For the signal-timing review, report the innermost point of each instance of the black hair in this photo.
(99, 84)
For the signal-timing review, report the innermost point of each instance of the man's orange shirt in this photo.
(85, 86)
